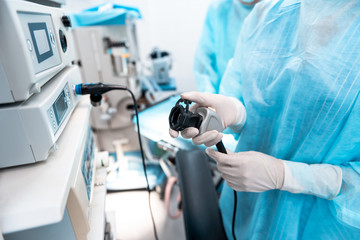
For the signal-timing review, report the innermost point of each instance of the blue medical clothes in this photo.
(297, 71)
(103, 15)
(217, 44)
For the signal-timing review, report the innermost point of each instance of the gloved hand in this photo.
(249, 171)
(258, 172)
(230, 110)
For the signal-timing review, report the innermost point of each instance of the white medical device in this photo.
(35, 44)
(29, 130)
(102, 53)
(161, 65)
(63, 197)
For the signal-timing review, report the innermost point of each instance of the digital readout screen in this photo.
(41, 42)
(60, 107)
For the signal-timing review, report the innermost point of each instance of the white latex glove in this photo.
(230, 110)
(258, 172)
(249, 171)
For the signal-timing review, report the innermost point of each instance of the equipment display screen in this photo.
(42, 44)
(41, 41)
(60, 107)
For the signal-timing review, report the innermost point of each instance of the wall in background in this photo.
(174, 26)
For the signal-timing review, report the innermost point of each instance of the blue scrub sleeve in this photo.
(347, 204)
(205, 67)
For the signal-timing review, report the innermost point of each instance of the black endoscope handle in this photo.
(220, 147)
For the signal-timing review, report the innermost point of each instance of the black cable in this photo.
(143, 161)
(234, 215)
(96, 90)
(221, 148)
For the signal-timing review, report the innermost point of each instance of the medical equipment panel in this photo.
(58, 111)
(35, 44)
(80, 195)
(88, 162)
(30, 129)
(40, 37)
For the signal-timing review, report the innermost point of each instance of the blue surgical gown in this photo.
(297, 71)
(217, 43)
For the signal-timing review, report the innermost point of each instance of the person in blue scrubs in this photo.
(216, 47)
(291, 98)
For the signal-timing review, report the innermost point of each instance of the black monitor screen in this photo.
(40, 38)
(60, 107)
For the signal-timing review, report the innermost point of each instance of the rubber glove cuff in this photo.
(240, 116)
(321, 180)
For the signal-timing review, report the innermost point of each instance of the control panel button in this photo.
(29, 45)
(52, 38)
(66, 21)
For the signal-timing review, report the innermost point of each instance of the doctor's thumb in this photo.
(212, 153)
